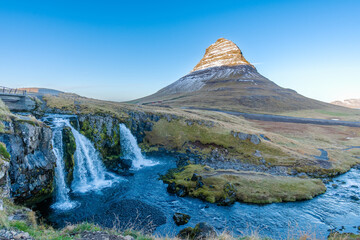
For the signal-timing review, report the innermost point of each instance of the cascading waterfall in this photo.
(131, 149)
(63, 201)
(89, 172)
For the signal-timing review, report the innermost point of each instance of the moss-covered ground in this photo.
(242, 186)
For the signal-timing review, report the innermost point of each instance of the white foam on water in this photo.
(131, 150)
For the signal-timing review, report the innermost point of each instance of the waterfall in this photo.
(63, 201)
(131, 149)
(89, 171)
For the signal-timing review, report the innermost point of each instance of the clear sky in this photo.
(122, 50)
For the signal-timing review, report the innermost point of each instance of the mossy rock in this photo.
(69, 146)
(107, 144)
(227, 186)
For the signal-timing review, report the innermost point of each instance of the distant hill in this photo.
(350, 103)
(41, 91)
(225, 79)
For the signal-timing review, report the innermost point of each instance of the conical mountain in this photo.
(224, 79)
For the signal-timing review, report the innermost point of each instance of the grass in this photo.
(292, 145)
(179, 136)
(3, 152)
(4, 115)
(244, 186)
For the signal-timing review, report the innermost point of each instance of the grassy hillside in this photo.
(290, 145)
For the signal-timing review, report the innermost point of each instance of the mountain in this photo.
(225, 79)
(350, 103)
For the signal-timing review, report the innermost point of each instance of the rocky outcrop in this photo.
(222, 53)
(69, 145)
(140, 122)
(18, 102)
(32, 161)
(254, 139)
(103, 131)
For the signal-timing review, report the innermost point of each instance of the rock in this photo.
(4, 175)
(195, 177)
(32, 162)
(201, 231)
(14, 234)
(354, 198)
(69, 148)
(189, 122)
(1, 205)
(230, 195)
(254, 139)
(265, 137)
(199, 184)
(171, 188)
(103, 131)
(226, 202)
(181, 191)
(125, 163)
(22, 235)
(181, 218)
(257, 154)
(186, 233)
(302, 175)
(242, 136)
(20, 215)
(128, 237)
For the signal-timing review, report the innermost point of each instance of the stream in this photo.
(139, 200)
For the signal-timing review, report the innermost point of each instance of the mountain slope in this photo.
(350, 103)
(225, 79)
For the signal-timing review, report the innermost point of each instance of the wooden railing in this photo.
(12, 91)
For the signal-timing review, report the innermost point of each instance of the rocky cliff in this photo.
(222, 53)
(31, 159)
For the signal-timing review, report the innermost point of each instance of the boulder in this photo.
(257, 154)
(201, 231)
(242, 136)
(254, 139)
(181, 218)
(125, 163)
(195, 177)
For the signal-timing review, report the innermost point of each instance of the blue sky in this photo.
(120, 51)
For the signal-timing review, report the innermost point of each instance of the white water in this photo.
(89, 172)
(63, 201)
(131, 149)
